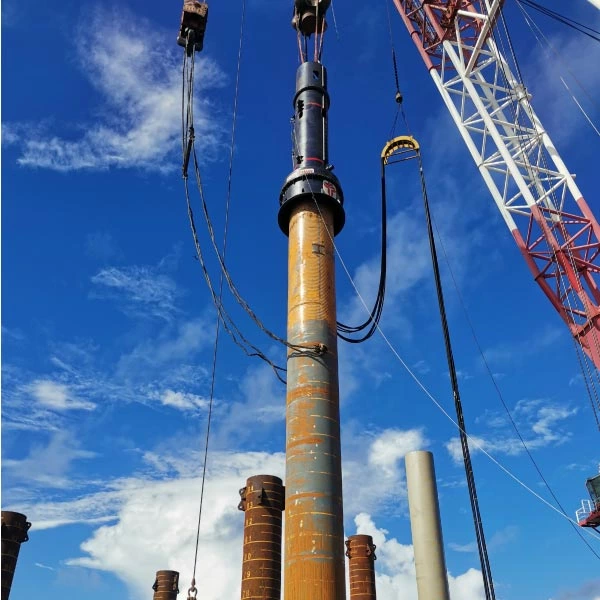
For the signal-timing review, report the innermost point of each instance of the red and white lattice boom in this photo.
(548, 217)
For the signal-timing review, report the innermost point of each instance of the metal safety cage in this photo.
(530, 184)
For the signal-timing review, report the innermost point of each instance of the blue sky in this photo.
(107, 327)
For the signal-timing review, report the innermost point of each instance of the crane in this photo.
(589, 513)
(537, 196)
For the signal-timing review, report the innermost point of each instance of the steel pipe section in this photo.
(430, 564)
(262, 500)
(314, 537)
(14, 532)
(360, 551)
(166, 585)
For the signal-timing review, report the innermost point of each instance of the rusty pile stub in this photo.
(166, 585)
(361, 558)
(262, 500)
(14, 532)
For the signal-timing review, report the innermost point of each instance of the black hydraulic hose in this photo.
(477, 521)
(375, 315)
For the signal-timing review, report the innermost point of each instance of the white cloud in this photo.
(395, 568)
(516, 352)
(590, 590)
(262, 403)
(157, 523)
(102, 246)
(160, 371)
(47, 465)
(392, 445)
(421, 367)
(497, 540)
(146, 291)
(183, 401)
(538, 421)
(543, 72)
(382, 473)
(169, 347)
(137, 73)
(467, 548)
(57, 396)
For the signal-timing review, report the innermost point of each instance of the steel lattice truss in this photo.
(531, 186)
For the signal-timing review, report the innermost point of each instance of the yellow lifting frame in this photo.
(402, 142)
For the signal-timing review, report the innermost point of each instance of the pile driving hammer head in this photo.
(193, 25)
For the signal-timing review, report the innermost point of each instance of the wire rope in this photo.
(568, 289)
(532, 24)
(493, 378)
(585, 29)
(193, 590)
(335, 25)
(188, 144)
(488, 581)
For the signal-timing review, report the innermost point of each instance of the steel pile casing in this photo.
(314, 538)
(263, 502)
(361, 561)
(14, 532)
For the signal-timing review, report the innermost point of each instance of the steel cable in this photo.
(477, 520)
(569, 290)
(589, 31)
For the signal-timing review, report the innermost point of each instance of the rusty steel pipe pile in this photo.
(14, 533)
(166, 585)
(361, 563)
(262, 501)
(311, 213)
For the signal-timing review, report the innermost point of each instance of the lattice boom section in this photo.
(536, 195)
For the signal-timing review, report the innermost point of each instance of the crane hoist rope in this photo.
(549, 48)
(580, 27)
(394, 148)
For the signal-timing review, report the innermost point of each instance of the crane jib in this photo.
(547, 215)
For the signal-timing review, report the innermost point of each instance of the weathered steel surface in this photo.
(314, 540)
(262, 500)
(166, 585)
(14, 532)
(361, 559)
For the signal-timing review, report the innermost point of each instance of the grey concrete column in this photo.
(430, 565)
